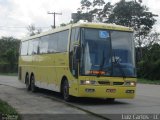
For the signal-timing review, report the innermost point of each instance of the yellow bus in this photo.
(94, 60)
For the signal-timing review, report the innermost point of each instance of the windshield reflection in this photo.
(123, 50)
(97, 53)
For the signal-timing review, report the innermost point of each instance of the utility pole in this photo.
(54, 17)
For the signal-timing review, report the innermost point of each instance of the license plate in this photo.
(111, 90)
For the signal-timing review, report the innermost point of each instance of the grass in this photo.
(7, 111)
(9, 74)
(147, 81)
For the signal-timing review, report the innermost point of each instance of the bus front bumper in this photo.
(127, 92)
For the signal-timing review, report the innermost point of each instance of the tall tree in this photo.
(134, 14)
(85, 5)
(97, 10)
(83, 12)
(32, 30)
(106, 12)
(9, 50)
(152, 38)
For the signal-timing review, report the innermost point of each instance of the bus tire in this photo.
(110, 100)
(65, 91)
(28, 86)
(33, 86)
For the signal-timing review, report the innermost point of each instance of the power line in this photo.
(19, 27)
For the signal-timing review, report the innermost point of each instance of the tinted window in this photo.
(123, 52)
(24, 48)
(43, 47)
(35, 46)
(74, 37)
(53, 40)
(30, 47)
(92, 34)
(96, 52)
(56, 42)
(62, 41)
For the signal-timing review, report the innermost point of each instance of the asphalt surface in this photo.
(50, 105)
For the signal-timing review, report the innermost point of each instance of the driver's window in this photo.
(75, 33)
(74, 37)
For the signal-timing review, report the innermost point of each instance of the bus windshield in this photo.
(107, 53)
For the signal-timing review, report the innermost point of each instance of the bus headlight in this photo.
(130, 83)
(88, 82)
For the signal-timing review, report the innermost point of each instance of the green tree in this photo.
(134, 14)
(32, 30)
(97, 10)
(149, 67)
(9, 50)
(83, 12)
(85, 5)
(152, 38)
(11, 56)
(106, 12)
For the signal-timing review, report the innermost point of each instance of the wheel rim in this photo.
(32, 84)
(27, 82)
(65, 90)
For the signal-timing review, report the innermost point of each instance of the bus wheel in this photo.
(33, 87)
(110, 100)
(65, 91)
(28, 86)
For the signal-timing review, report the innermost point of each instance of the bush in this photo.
(149, 70)
(7, 68)
(149, 67)
(156, 70)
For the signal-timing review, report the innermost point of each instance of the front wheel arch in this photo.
(32, 83)
(62, 81)
(65, 90)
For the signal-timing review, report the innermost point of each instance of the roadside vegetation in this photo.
(147, 81)
(9, 74)
(8, 112)
(9, 48)
(149, 65)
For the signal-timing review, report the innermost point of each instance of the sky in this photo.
(16, 15)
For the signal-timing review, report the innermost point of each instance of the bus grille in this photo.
(104, 82)
(118, 83)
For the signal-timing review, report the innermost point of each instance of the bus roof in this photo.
(103, 26)
(86, 25)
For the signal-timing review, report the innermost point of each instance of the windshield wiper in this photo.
(119, 65)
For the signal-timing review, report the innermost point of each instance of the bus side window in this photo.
(52, 43)
(74, 37)
(24, 48)
(63, 41)
(43, 46)
(30, 47)
(35, 46)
